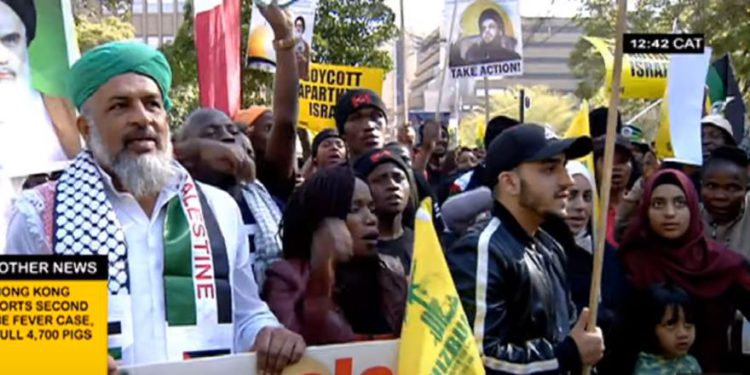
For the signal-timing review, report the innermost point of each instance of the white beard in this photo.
(16, 95)
(142, 175)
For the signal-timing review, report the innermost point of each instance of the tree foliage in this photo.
(352, 32)
(724, 22)
(108, 29)
(547, 107)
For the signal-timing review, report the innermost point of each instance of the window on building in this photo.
(153, 41)
(167, 6)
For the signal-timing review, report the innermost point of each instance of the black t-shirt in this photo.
(401, 248)
(279, 188)
(425, 191)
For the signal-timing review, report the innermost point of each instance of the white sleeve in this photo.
(26, 233)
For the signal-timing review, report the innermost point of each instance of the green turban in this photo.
(98, 65)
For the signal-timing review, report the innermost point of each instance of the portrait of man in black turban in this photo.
(491, 46)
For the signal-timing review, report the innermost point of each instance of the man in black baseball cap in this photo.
(328, 149)
(511, 274)
(390, 181)
(361, 119)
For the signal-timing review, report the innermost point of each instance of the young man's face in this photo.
(712, 137)
(13, 52)
(490, 30)
(723, 190)
(544, 186)
(621, 169)
(390, 189)
(331, 152)
(363, 130)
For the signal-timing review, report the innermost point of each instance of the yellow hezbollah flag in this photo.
(580, 128)
(435, 338)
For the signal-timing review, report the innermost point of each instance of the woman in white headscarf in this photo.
(580, 205)
(580, 259)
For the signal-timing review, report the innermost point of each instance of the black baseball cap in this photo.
(529, 143)
(598, 122)
(353, 100)
(496, 126)
(367, 163)
(622, 143)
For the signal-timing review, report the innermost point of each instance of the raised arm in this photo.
(280, 151)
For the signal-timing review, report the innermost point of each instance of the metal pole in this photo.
(486, 100)
(521, 105)
(402, 62)
(643, 112)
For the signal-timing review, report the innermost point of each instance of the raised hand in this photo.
(279, 19)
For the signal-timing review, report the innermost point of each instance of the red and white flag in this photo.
(217, 43)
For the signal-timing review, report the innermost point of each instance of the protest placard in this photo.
(260, 51)
(487, 41)
(376, 357)
(644, 76)
(319, 94)
(679, 134)
(56, 306)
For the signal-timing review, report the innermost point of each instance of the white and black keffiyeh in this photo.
(86, 224)
(265, 235)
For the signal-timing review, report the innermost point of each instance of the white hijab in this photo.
(584, 238)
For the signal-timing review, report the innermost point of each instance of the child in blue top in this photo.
(668, 333)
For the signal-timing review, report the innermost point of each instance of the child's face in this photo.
(675, 336)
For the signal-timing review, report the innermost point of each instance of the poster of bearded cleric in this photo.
(486, 40)
(37, 124)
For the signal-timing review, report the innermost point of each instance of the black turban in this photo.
(491, 14)
(26, 11)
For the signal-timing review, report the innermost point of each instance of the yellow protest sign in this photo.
(644, 76)
(55, 307)
(325, 85)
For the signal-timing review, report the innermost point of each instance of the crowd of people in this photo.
(294, 252)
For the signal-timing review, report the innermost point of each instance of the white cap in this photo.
(719, 121)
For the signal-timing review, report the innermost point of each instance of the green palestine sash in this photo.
(198, 294)
(197, 290)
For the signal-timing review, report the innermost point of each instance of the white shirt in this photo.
(144, 236)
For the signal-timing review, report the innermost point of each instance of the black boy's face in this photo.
(723, 191)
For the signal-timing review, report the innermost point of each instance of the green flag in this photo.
(722, 86)
(54, 48)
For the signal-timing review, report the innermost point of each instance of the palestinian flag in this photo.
(723, 91)
(217, 41)
(54, 49)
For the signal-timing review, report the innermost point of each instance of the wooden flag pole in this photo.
(445, 62)
(606, 183)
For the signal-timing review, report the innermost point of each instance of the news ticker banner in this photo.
(320, 92)
(368, 358)
(53, 314)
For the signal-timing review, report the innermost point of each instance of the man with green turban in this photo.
(180, 280)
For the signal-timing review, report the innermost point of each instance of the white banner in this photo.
(375, 357)
(486, 38)
(685, 88)
(260, 51)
